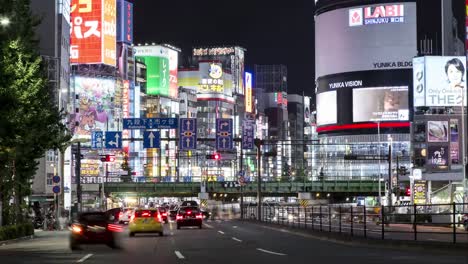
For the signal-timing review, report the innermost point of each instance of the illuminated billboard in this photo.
(96, 104)
(125, 21)
(380, 104)
(439, 81)
(361, 33)
(161, 70)
(248, 92)
(93, 32)
(326, 108)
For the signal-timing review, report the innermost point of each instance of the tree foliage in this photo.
(30, 121)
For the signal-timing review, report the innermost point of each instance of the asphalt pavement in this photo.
(224, 242)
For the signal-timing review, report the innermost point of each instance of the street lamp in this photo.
(4, 21)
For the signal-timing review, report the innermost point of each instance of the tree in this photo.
(30, 122)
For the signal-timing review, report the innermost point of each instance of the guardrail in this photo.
(431, 222)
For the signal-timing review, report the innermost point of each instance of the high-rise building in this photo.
(296, 131)
(54, 47)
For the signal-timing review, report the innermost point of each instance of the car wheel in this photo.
(112, 244)
(132, 234)
(161, 234)
(74, 245)
(178, 226)
(200, 226)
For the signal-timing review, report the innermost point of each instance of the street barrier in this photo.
(428, 222)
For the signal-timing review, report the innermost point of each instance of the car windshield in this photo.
(193, 210)
(146, 213)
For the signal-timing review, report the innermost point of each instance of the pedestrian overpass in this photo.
(190, 189)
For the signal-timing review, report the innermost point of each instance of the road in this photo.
(218, 242)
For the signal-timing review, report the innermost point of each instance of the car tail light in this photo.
(132, 218)
(178, 217)
(189, 212)
(200, 216)
(114, 228)
(159, 218)
(164, 214)
(76, 229)
(120, 215)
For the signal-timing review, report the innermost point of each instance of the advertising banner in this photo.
(361, 33)
(438, 157)
(419, 192)
(437, 131)
(442, 81)
(454, 145)
(125, 22)
(307, 110)
(93, 32)
(248, 133)
(95, 104)
(326, 108)
(161, 69)
(248, 92)
(380, 104)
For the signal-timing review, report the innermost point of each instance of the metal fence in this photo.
(431, 222)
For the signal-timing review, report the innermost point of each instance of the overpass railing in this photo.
(429, 222)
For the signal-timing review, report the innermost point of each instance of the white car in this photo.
(125, 215)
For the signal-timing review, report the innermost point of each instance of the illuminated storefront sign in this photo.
(213, 51)
(381, 14)
(125, 22)
(93, 32)
(125, 111)
(214, 82)
(248, 92)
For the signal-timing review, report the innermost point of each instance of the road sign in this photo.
(161, 123)
(56, 179)
(224, 134)
(149, 123)
(248, 135)
(151, 139)
(134, 123)
(417, 174)
(113, 139)
(56, 189)
(188, 133)
(96, 139)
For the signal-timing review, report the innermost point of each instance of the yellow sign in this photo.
(420, 192)
(304, 202)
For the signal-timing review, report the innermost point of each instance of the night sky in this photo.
(273, 32)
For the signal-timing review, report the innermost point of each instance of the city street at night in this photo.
(218, 242)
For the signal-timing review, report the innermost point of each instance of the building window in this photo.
(49, 179)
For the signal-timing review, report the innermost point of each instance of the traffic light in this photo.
(403, 170)
(215, 156)
(107, 158)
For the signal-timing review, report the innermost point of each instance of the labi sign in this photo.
(380, 14)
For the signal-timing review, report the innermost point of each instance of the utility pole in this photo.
(258, 144)
(390, 178)
(241, 182)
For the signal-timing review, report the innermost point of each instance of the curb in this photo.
(439, 247)
(11, 241)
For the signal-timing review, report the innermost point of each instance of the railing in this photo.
(432, 222)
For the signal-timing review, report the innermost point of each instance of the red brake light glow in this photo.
(189, 212)
(76, 229)
(164, 214)
(114, 228)
(159, 218)
(145, 214)
(132, 218)
(178, 217)
(199, 216)
(120, 215)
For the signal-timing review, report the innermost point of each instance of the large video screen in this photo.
(371, 37)
(326, 108)
(380, 104)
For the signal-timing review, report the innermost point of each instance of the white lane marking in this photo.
(234, 227)
(179, 255)
(236, 239)
(84, 258)
(270, 252)
(209, 226)
(221, 232)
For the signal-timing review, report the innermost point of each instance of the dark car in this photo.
(164, 214)
(116, 213)
(189, 216)
(206, 214)
(94, 228)
(173, 211)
